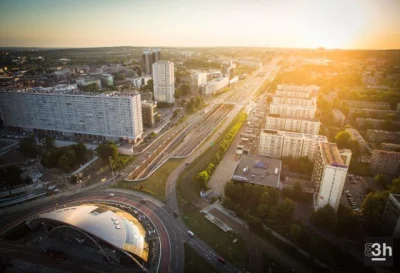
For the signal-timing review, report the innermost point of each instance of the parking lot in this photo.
(355, 189)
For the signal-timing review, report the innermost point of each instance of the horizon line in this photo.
(93, 47)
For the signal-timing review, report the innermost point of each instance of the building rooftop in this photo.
(295, 135)
(293, 105)
(108, 223)
(258, 170)
(292, 118)
(69, 90)
(330, 154)
(387, 154)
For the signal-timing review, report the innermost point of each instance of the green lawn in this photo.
(220, 241)
(155, 184)
(194, 263)
(358, 168)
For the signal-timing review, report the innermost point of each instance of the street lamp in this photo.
(112, 171)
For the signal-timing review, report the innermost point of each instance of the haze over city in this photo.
(206, 136)
(358, 24)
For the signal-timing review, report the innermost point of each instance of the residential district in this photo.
(135, 159)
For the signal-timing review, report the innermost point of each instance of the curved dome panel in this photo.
(109, 223)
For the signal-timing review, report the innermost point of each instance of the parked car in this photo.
(142, 217)
(152, 232)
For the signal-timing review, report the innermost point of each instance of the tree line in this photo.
(203, 176)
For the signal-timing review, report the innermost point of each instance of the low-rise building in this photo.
(379, 136)
(278, 144)
(391, 215)
(372, 123)
(149, 112)
(328, 176)
(214, 86)
(386, 162)
(391, 147)
(367, 104)
(338, 117)
(258, 170)
(360, 140)
(197, 80)
(288, 110)
(346, 156)
(307, 126)
(372, 113)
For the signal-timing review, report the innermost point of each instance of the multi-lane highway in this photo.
(173, 232)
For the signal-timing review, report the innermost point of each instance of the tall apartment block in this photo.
(282, 144)
(164, 81)
(296, 111)
(306, 126)
(63, 112)
(149, 57)
(328, 176)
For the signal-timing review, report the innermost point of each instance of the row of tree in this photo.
(203, 176)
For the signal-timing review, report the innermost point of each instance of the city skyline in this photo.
(358, 24)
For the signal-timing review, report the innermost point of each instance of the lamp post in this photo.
(112, 171)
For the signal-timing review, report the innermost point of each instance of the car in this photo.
(221, 260)
(152, 232)
(187, 163)
(175, 214)
(190, 233)
(142, 217)
(143, 201)
(135, 212)
(111, 195)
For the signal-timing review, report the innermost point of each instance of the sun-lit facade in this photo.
(108, 223)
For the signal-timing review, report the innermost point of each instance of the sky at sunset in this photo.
(366, 24)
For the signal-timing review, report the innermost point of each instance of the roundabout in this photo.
(123, 230)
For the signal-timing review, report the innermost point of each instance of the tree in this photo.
(80, 151)
(202, 178)
(342, 139)
(348, 222)
(325, 218)
(184, 89)
(106, 150)
(285, 209)
(210, 168)
(67, 160)
(394, 188)
(297, 193)
(269, 99)
(49, 142)
(381, 179)
(28, 147)
(295, 232)
(11, 176)
(372, 208)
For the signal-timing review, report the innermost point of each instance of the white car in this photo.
(152, 232)
(111, 195)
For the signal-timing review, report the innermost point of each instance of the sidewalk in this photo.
(226, 167)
